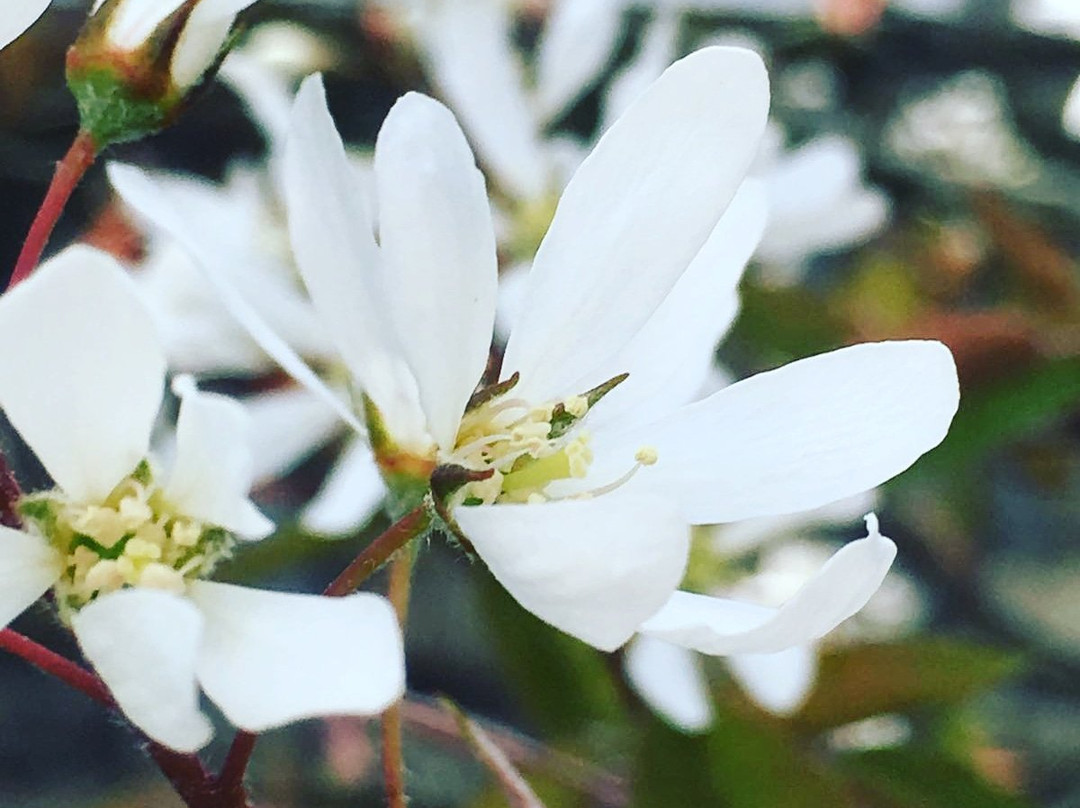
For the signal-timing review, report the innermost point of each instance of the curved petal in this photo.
(723, 627)
(144, 643)
(212, 473)
(670, 680)
(688, 324)
(635, 214)
(18, 16)
(290, 424)
(576, 44)
(28, 567)
(438, 248)
(801, 436)
(350, 495)
(85, 385)
(592, 568)
(270, 658)
(332, 237)
(470, 47)
(779, 682)
(167, 207)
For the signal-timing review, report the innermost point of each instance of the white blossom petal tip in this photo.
(28, 567)
(213, 470)
(18, 16)
(270, 658)
(722, 627)
(671, 681)
(806, 434)
(143, 643)
(635, 213)
(85, 386)
(591, 568)
(778, 682)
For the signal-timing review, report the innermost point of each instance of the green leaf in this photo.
(1003, 412)
(747, 760)
(860, 681)
(566, 686)
(914, 778)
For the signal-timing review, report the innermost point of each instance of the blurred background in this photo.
(923, 170)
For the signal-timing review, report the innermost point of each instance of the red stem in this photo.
(186, 774)
(231, 779)
(379, 551)
(69, 172)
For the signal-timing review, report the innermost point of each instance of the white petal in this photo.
(168, 209)
(635, 214)
(270, 658)
(28, 567)
(1070, 116)
(469, 45)
(576, 44)
(801, 436)
(18, 16)
(438, 248)
(351, 494)
(779, 682)
(144, 643)
(131, 23)
(670, 680)
(212, 473)
(592, 568)
(688, 324)
(290, 425)
(334, 244)
(85, 386)
(263, 91)
(723, 627)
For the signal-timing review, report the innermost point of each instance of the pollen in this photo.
(647, 456)
(132, 539)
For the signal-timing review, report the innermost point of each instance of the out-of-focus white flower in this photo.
(126, 554)
(17, 17)
(1070, 116)
(1053, 17)
(818, 202)
(962, 132)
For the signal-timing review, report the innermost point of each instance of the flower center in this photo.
(527, 447)
(133, 538)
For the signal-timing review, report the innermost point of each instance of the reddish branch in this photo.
(69, 172)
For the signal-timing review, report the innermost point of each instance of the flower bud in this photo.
(136, 62)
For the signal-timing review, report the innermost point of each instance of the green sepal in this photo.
(407, 475)
(561, 420)
(110, 112)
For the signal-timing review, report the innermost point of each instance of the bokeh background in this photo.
(923, 167)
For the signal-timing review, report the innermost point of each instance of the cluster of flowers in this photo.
(575, 474)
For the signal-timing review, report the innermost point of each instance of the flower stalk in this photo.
(69, 172)
(393, 761)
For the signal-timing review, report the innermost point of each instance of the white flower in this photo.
(130, 24)
(125, 554)
(818, 201)
(559, 522)
(17, 17)
(1070, 115)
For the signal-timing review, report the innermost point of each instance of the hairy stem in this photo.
(380, 550)
(69, 172)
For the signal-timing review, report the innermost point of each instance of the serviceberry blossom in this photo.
(584, 468)
(126, 547)
(18, 16)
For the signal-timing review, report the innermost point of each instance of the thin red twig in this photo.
(69, 172)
